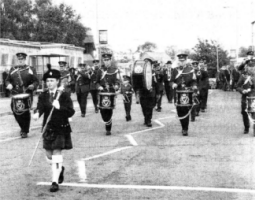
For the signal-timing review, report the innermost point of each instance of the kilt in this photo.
(62, 141)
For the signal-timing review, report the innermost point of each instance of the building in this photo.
(40, 54)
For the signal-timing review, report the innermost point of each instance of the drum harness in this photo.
(248, 79)
(180, 118)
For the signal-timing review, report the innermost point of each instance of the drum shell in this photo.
(183, 98)
(107, 100)
(142, 75)
(250, 104)
(21, 102)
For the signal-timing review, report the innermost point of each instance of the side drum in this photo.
(107, 100)
(142, 75)
(21, 103)
(184, 98)
(250, 104)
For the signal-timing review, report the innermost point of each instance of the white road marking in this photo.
(154, 187)
(82, 171)
(9, 139)
(106, 153)
(131, 140)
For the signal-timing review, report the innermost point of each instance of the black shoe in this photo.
(197, 114)
(184, 132)
(108, 133)
(82, 115)
(128, 118)
(61, 175)
(149, 124)
(192, 119)
(96, 110)
(202, 110)
(158, 109)
(23, 135)
(170, 101)
(54, 187)
(246, 131)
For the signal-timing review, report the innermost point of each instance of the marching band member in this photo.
(245, 86)
(203, 84)
(196, 96)
(22, 79)
(93, 87)
(82, 87)
(66, 78)
(167, 72)
(159, 79)
(107, 81)
(148, 100)
(184, 78)
(57, 107)
(127, 91)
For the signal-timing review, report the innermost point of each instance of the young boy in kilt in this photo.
(57, 107)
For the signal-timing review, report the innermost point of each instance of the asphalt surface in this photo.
(216, 160)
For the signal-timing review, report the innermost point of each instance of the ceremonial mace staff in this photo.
(59, 92)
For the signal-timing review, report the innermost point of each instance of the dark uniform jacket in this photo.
(59, 119)
(186, 79)
(93, 78)
(167, 73)
(242, 84)
(235, 75)
(159, 81)
(21, 77)
(203, 82)
(82, 82)
(108, 77)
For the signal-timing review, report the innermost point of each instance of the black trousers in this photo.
(159, 99)
(246, 121)
(127, 104)
(94, 94)
(203, 98)
(169, 91)
(107, 118)
(82, 100)
(22, 119)
(147, 104)
(182, 111)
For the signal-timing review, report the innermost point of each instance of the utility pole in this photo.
(252, 35)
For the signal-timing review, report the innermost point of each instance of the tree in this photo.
(41, 21)
(209, 49)
(243, 51)
(171, 52)
(147, 47)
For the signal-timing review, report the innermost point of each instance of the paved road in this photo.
(216, 160)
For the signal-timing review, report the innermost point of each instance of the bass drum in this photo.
(142, 75)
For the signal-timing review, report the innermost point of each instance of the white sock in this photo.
(48, 160)
(56, 167)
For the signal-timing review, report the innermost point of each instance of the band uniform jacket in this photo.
(244, 84)
(93, 80)
(203, 82)
(159, 79)
(21, 77)
(186, 79)
(127, 91)
(82, 82)
(66, 80)
(167, 73)
(108, 77)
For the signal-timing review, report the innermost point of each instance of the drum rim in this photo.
(16, 96)
(184, 91)
(144, 75)
(107, 93)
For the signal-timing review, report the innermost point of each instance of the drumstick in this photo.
(44, 128)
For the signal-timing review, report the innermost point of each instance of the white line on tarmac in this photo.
(153, 187)
(106, 153)
(9, 139)
(131, 140)
(82, 171)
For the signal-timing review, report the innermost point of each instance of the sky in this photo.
(179, 23)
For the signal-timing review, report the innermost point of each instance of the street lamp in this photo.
(252, 45)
